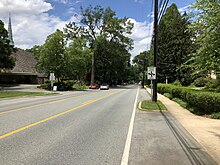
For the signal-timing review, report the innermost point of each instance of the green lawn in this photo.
(9, 94)
(150, 105)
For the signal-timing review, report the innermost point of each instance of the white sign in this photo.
(151, 73)
(54, 88)
(52, 77)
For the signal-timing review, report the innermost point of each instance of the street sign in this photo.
(151, 73)
(52, 77)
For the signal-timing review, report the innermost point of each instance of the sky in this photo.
(34, 20)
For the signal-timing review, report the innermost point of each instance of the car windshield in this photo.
(104, 84)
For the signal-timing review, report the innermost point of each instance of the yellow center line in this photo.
(52, 117)
(37, 105)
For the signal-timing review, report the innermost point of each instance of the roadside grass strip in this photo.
(10, 94)
(148, 105)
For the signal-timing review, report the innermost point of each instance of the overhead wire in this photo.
(163, 9)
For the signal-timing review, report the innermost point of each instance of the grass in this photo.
(151, 105)
(10, 94)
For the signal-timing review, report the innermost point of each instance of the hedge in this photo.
(204, 102)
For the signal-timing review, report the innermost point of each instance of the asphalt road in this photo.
(88, 128)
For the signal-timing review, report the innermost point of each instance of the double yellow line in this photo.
(54, 116)
(37, 105)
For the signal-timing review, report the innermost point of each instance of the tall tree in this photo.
(142, 61)
(6, 61)
(112, 61)
(174, 43)
(52, 55)
(207, 31)
(98, 21)
(79, 56)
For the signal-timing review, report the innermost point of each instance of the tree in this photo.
(6, 61)
(52, 55)
(78, 55)
(96, 22)
(142, 61)
(207, 31)
(112, 61)
(174, 45)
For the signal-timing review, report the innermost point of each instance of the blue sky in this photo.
(34, 20)
(137, 9)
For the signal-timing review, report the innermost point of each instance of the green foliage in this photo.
(6, 61)
(78, 55)
(215, 115)
(203, 102)
(52, 55)
(180, 102)
(168, 95)
(201, 82)
(150, 105)
(213, 85)
(174, 46)
(106, 36)
(142, 61)
(177, 83)
(206, 27)
(80, 87)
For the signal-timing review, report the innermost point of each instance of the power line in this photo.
(162, 11)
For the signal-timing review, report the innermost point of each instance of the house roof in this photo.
(25, 62)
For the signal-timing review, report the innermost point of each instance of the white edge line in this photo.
(125, 156)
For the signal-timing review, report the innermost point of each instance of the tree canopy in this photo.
(207, 31)
(6, 61)
(174, 45)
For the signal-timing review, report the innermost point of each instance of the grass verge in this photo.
(151, 105)
(10, 94)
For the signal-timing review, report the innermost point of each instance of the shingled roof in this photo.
(25, 62)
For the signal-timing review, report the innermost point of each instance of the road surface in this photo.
(91, 128)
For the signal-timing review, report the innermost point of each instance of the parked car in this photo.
(104, 86)
(94, 86)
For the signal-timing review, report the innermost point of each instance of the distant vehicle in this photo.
(104, 86)
(94, 86)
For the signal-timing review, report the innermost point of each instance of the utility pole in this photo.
(155, 49)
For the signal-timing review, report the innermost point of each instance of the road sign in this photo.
(52, 77)
(151, 73)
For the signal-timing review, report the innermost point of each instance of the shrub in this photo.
(177, 83)
(215, 115)
(79, 87)
(201, 82)
(168, 95)
(213, 85)
(202, 102)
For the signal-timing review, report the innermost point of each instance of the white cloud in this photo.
(141, 34)
(31, 23)
(139, 1)
(186, 9)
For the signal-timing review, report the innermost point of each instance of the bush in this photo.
(213, 85)
(203, 102)
(168, 95)
(201, 82)
(79, 87)
(215, 115)
(177, 83)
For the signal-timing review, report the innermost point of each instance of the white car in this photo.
(104, 86)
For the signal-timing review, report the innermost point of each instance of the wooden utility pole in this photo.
(155, 48)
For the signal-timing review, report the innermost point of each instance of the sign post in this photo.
(151, 75)
(52, 78)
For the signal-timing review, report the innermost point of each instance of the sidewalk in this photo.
(206, 131)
